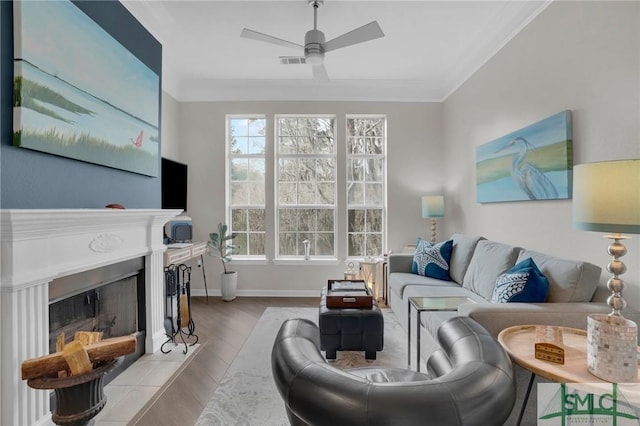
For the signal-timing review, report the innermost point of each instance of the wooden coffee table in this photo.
(519, 342)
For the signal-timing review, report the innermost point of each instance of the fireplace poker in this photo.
(187, 288)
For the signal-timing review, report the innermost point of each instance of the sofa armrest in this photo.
(497, 316)
(400, 262)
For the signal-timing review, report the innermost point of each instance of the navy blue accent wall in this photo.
(34, 180)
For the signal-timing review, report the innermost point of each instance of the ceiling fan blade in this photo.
(254, 35)
(320, 73)
(364, 33)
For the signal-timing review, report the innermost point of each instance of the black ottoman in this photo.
(350, 329)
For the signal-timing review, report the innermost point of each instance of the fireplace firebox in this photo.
(109, 299)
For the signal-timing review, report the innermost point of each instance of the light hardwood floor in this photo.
(222, 328)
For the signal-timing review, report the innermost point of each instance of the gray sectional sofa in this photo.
(476, 263)
(575, 290)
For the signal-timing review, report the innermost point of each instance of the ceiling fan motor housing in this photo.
(314, 47)
(314, 42)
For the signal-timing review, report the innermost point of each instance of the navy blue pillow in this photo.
(432, 260)
(522, 283)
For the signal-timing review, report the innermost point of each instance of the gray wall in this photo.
(414, 168)
(30, 179)
(170, 127)
(581, 56)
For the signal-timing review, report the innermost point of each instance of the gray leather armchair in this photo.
(470, 381)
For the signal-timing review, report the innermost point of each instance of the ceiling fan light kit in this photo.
(314, 41)
(313, 47)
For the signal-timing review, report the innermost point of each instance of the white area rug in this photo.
(247, 394)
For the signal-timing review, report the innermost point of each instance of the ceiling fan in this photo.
(314, 45)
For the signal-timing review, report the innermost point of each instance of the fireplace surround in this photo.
(38, 246)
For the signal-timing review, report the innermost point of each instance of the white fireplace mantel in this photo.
(37, 246)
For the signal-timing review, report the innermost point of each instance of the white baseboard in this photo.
(260, 293)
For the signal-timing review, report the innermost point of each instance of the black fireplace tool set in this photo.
(178, 297)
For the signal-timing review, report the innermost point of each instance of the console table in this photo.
(183, 252)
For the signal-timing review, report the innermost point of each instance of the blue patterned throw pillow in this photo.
(432, 260)
(522, 283)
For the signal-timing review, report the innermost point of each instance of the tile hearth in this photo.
(133, 390)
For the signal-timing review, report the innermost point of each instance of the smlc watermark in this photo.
(588, 404)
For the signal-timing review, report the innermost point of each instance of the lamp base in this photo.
(433, 231)
(612, 343)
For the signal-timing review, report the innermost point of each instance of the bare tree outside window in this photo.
(246, 148)
(306, 185)
(366, 198)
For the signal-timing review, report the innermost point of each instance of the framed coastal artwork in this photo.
(79, 93)
(533, 163)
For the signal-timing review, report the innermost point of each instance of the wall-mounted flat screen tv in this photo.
(174, 185)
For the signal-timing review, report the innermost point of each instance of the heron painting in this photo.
(533, 163)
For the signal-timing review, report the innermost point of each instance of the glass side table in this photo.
(420, 304)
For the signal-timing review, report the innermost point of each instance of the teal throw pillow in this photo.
(432, 260)
(522, 283)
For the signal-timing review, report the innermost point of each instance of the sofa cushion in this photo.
(489, 261)
(522, 283)
(399, 281)
(461, 253)
(569, 280)
(432, 320)
(432, 260)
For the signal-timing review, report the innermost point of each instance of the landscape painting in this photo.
(533, 163)
(78, 93)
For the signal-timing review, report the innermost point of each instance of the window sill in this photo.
(303, 262)
(249, 261)
(361, 259)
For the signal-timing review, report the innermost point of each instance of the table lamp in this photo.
(432, 208)
(606, 198)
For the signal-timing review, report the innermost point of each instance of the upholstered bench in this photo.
(350, 329)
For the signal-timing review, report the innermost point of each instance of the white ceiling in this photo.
(430, 47)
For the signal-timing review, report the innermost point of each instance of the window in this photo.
(366, 198)
(305, 185)
(246, 145)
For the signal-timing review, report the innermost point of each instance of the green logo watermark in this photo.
(566, 404)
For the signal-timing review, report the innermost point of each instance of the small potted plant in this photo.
(221, 245)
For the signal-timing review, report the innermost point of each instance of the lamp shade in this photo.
(606, 196)
(432, 206)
